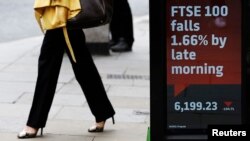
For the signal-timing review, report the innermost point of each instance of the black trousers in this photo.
(85, 71)
(121, 25)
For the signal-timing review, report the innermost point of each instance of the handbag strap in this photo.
(65, 33)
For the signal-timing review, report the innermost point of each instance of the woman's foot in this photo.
(28, 132)
(99, 126)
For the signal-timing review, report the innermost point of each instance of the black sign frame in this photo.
(158, 114)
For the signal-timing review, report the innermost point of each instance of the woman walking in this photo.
(86, 73)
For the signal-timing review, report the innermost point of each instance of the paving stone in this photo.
(79, 127)
(83, 113)
(12, 124)
(2, 66)
(129, 91)
(118, 82)
(47, 137)
(75, 113)
(143, 83)
(74, 88)
(59, 100)
(129, 102)
(29, 77)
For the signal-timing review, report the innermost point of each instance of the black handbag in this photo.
(93, 13)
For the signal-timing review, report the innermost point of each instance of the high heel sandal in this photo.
(25, 135)
(98, 128)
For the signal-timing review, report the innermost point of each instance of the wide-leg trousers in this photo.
(86, 73)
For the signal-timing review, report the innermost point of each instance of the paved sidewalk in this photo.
(125, 75)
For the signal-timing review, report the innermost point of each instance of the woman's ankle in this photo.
(100, 124)
(30, 129)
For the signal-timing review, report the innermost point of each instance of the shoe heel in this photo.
(41, 131)
(113, 120)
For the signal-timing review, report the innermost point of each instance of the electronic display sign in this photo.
(203, 63)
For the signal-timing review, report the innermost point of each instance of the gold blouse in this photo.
(53, 14)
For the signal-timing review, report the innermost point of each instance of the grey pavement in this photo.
(125, 76)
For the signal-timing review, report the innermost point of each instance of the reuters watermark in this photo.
(222, 131)
(231, 133)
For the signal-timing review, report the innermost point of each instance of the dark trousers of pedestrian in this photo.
(85, 71)
(121, 25)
